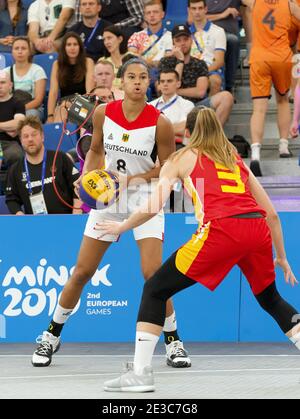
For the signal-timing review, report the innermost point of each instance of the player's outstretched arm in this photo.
(165, 142)
(168, 177)
(273, 222)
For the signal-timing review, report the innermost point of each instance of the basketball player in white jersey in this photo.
(128, 136)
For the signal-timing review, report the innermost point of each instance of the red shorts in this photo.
(245, 242)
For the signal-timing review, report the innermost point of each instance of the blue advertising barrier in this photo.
(38, 254)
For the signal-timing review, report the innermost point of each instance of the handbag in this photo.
(19, 95)
(241, 144)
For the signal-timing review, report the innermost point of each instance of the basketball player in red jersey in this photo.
(237, 223)
(128, 136)
(270, 64)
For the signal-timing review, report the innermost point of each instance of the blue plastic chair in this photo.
(6, 60)
(176, 12)
(46, 62)
(3, 208)
(52, 133)
(27, 3)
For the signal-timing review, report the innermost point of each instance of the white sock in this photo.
(170, 323)
(144, 348)
(61, 314)
(296, 340)
(255, 151)
(283, 146)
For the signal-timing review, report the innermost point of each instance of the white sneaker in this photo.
(48, 345)
(177, 357)
(132, 382)
(284, 151)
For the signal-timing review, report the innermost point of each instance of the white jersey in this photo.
(130, 147)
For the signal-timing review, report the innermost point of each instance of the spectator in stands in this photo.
(30, 182)
(171, 104)
(47, 21)
(224, 13)
(91, 28)
(71, 73)
(246, 14)
(13, 22)
(152, 43)
(103, 93)
(209, 44)
(294, 37)
(11, 112)
(126, 14)
(194, 75)
(28, 77)
(104, 76)
(270, 64)
(115, 44)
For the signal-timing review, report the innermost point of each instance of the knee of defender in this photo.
(81, 276)
(148, 272)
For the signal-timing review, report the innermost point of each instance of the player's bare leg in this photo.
(89, 258)
(151, 261)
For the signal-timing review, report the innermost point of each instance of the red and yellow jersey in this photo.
(218, 193)
(271, 22)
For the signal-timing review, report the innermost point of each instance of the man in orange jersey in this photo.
(270, 64)
(237, 223)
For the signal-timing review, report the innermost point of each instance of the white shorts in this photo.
(120, 211)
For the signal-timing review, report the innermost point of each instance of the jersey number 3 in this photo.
(236, 177)
(269, 19)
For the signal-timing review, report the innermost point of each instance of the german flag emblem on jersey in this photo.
(125, 138)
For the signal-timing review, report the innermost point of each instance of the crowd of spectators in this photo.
(192, 64)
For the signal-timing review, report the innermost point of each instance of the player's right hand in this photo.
(76, 185)
(288, 273)
(294, 130)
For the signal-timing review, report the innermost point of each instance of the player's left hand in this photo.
(110, 227)
(123, 180)
(288, 273)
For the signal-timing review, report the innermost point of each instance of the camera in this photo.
(81, 110)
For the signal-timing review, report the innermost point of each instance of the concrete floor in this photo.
(222, 371)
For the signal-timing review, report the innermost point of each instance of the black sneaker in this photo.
(255, 168)
(48, 345)
(176, 355)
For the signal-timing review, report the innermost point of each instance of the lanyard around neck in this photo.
(87, 41)
(167, 105)
(43, 173)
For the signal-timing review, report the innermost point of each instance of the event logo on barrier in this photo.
(33, 291)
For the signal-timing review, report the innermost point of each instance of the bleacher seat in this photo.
(3, 208)
(176, 13)
(52, 133)
(6, 60)
(27, 3)
(46, 61)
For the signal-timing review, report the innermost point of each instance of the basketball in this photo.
(99, 189)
